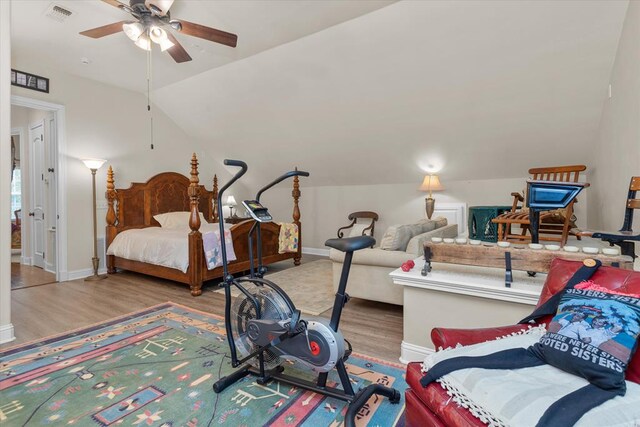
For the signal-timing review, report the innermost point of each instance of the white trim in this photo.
(81, 274)
(315, 251)
(7, 333)
(413, 353)
(456, 213)
(474, 281)
(51, 268)
(59, 113)
(32, 192)
(19, 131)
(25, 260)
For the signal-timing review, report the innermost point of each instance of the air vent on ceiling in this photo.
(58, 13)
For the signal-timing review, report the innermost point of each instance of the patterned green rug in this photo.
(157, 368)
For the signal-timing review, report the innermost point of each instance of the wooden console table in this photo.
(521, 259)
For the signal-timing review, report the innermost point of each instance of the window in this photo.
(16, 195)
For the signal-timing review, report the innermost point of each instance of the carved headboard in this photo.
(165, 192)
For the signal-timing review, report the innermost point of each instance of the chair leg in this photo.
(500, 232)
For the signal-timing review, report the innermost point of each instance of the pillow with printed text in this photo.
(593, 335)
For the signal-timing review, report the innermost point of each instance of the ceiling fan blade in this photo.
(207, 33)
(176, 51)
(105, 30)
(162, 6)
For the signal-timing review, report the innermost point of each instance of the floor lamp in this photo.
(94, 165)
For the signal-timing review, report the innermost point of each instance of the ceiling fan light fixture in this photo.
(133, 30)
(176, 25)
(157, 34)
(143, 42)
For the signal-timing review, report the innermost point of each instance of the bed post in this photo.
(215, 198)
(196, 255)
(296, 217)
(111, 230)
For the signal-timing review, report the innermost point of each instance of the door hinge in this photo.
(43, 256)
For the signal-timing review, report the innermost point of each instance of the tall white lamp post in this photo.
(94, 165)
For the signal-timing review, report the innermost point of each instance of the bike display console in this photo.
(257, 211)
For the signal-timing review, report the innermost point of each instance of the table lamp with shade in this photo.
(431, 183)
(94, 165)
(231, 202)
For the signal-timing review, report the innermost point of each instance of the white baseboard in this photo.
(315, 251)
(26, 260)
(50, 268)
(79, 274)
(413, 353)
(6, 333)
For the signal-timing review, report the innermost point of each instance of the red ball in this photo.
(411, 263)
(405, 267)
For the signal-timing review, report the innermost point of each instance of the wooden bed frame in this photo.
(135, 207)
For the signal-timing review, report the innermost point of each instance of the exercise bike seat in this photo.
(351, 244)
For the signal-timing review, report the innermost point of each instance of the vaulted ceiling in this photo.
(364, 92)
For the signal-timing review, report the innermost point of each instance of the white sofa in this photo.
(369, 276)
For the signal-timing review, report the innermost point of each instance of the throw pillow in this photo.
(593, 335)
(397, 237)
(176, 219)
(432, 224)
(357, 230)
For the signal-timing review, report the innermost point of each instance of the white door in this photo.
(38, 201)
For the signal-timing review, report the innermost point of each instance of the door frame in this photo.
(19, 132)
(59, 115)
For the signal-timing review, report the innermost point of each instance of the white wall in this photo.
(6, 328)
(110, 123)
(617, 154)
(325, 209)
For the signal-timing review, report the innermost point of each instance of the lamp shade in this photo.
(231, 201)
(143, 42)
(157, 34)
(133, 30)
(431, 183)
(94, 163)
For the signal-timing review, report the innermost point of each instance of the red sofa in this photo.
(431, 406)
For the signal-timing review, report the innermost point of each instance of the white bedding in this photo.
(156, 245)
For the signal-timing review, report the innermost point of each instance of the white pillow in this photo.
(357, 230)
(176, 219)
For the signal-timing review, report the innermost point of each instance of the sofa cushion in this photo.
(396, 237)
(376, 256)
(503, 396)
(593, 335)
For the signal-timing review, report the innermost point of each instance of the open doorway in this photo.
(34, 200)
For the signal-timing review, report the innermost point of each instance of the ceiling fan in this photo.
(154, 24)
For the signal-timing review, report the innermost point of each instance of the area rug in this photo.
(157, 368)
(310, 286)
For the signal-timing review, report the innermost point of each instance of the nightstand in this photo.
(235, 219)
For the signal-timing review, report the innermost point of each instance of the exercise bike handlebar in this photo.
(279, 180)
(243, 166)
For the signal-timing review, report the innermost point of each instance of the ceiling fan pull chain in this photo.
(149, 75)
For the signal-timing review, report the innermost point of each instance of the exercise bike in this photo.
(263, 325)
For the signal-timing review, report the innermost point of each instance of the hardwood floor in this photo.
(24, 276)
(374, 329)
